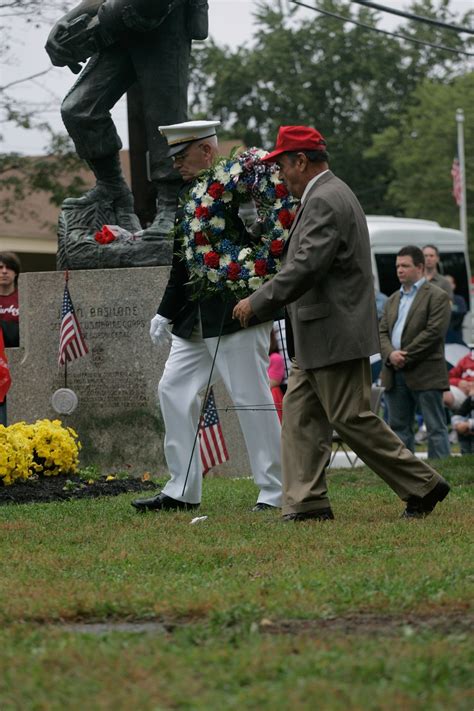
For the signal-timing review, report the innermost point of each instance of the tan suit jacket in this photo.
(423, 337)
(326, 279)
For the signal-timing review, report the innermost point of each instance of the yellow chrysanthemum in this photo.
(45, 447)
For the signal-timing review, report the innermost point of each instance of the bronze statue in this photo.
(128, 41)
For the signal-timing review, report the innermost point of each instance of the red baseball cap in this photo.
(296, 138)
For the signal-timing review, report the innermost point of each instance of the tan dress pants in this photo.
(338, 397)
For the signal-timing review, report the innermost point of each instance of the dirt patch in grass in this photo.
(451, 622)
(370, 624)
(62, 488)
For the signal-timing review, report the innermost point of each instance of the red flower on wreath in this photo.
(281, 190)
(202, 212)
(200, 239)
(233, 271)
(286, 218)
(260, 267)
(276, 247)
(211, 259)
(216, 190)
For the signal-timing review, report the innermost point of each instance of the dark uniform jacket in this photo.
(181, 302)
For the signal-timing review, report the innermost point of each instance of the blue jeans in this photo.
(403, 403)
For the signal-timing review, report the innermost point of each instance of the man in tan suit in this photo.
(414, 372)
(326, 284)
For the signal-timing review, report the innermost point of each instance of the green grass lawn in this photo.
(366, 612)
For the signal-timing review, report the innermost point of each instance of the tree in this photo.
(421, 148)
(351, 82)
(54, 173)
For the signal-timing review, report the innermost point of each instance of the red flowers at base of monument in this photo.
(110, 233)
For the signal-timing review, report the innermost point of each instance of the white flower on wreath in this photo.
(226, 197)
(244, 253)
(235, 169)
(241, 187)
(242, 283)
(195, 224)
(217, 222)
(213, 275)
(275, 177)
(189, 253)
(199, 190)
(203, 248)
(255, 282)
(190, 207)
(250, 266)
(207, 200)
(220, 175)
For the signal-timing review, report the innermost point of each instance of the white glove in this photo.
(160, 332)
(248, 213)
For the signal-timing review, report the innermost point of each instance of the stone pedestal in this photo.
(117, 418)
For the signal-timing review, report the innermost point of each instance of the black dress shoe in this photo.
(263, 507)
(161, 502)
(421, 506)
(319, 515)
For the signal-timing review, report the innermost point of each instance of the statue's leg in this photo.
(161, 64)
(86, 115)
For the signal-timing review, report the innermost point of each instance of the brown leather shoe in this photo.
(319, 515)
(161, 502)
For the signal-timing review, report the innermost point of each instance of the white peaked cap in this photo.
(178, 135)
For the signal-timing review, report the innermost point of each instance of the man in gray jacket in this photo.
(326, 284)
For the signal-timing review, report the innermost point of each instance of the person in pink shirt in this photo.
(276, 373)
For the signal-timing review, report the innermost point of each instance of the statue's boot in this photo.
(110, 188)
(166, 203)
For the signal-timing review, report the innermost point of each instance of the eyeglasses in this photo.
(179, 158)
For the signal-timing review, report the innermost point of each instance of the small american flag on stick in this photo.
(71, 341)
(211, 440)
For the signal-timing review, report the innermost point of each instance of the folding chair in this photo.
(375, 399)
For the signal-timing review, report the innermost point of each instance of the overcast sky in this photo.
(231, 22)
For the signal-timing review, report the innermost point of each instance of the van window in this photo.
(453, 263)
(388, 280)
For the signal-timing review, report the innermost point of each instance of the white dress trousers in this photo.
(241, 362)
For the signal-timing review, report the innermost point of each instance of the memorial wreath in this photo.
(217, 260)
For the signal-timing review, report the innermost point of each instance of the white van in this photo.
(389, 234)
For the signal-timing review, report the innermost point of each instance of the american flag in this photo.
(211, 440)
(457, 182)
(71, 341)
